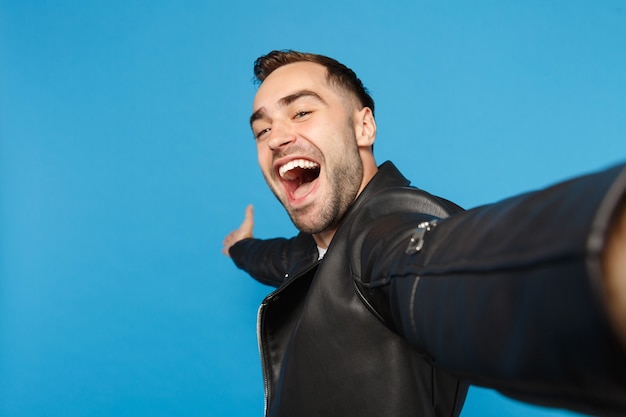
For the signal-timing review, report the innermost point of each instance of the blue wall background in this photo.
(126, 156)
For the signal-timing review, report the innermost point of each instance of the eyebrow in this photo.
(285, 101)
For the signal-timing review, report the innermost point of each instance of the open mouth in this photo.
(298, 177)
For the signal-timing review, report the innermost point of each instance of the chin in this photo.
(307, 225)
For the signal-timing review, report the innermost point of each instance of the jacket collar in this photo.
(387, 176)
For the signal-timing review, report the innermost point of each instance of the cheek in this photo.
(326, 137)
(261, 152)
(264, 158)
(340, 141)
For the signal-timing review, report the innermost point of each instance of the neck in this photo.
(323, 239)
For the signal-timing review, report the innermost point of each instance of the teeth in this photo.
(296, 163)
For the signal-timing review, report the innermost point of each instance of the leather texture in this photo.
(324, 353)
(505, 296)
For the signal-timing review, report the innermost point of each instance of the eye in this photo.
(260, 133)
(301, 114)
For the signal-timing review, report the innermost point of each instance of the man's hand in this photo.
(615, 272)
(244, 231)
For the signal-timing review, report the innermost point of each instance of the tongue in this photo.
(302, 190)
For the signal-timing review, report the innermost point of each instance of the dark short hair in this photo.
(338, 73)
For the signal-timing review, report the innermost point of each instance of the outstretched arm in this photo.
(267, 260)
(244, 231)
(527, 295)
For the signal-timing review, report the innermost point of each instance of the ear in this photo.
(364, 127)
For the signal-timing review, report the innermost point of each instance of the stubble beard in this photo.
(344, 181)
(344, 185)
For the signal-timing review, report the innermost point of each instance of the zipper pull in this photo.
(417, 239)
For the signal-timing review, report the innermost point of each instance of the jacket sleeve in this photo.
(271, 261)
(509, 295)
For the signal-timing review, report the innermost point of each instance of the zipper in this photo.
(260, 316)
(259, 335)
(417, 238)
(266, 387)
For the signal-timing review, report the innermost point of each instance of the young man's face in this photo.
(306, 145)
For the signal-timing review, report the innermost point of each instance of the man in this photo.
(391, 300)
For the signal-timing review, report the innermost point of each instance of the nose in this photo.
(280, 136)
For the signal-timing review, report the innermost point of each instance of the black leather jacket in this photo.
(407, 308)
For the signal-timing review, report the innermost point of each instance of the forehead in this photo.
(290, 78)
